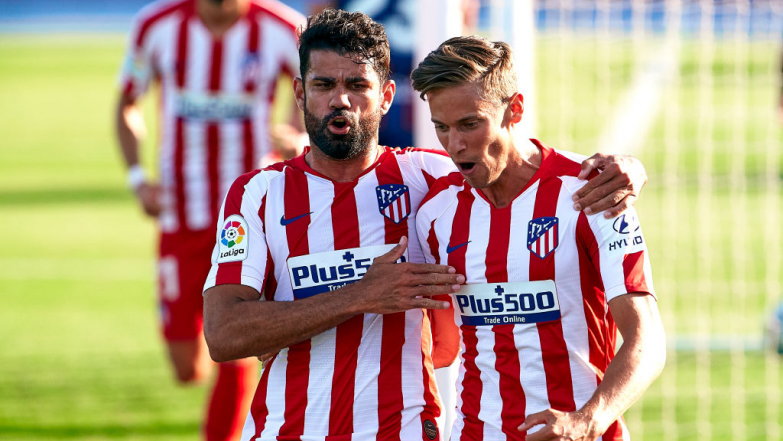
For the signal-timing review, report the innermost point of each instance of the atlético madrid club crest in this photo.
(542, 236)
(394, 201)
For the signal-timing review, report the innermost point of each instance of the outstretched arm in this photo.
(613, 190)
(638, 362)
(237, 325)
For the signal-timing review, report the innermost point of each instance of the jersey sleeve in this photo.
(434, 165)
(619, 252)
(136, 72)
(240, 255)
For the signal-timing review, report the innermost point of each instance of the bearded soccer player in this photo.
(217, 64)
(547, 286)
(304, 267)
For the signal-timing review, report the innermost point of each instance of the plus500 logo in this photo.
(314, 274)
(523, 302)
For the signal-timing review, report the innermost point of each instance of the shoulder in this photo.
(442, 194)
(561, 164)
(155, 13)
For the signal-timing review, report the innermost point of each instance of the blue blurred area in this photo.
(617, 16)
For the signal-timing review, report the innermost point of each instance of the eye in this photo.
(440, 127)
(472, 124)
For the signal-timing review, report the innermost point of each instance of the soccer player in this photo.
(547, 286)
(304, 267)
(217, 64)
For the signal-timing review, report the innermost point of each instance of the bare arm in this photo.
(130, 130)
(237, 325)
(615, 189)
(638, 362)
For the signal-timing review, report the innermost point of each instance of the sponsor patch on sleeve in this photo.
(233, 240)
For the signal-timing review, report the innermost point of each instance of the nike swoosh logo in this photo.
(284, 221)
(456, 247)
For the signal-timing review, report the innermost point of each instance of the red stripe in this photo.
(512, 412)
(179, 127)
(633, 272)
(348, 335)
(614, 432)
(231, 272)
(213, 128)
(553, 346)
(258, 408)
(390, 399)
(593, 298)
(248, 142)
(471, 381)
(151, 20)
(296, 203)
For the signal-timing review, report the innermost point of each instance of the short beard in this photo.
(342, 147)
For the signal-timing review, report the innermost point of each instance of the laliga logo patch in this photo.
(233, 240)
(542, 236)
(394, 201)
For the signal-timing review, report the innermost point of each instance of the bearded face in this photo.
(342, 135)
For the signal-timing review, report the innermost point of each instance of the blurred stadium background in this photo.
(690, 87)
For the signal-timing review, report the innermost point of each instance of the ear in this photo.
(388, 89)
(299, 93)
(516, 107)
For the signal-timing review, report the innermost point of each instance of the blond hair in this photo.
(462, 60)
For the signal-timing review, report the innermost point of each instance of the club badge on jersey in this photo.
(317, 273)
(394, 201)
(542, 236)
(511, 303)
(233, 241)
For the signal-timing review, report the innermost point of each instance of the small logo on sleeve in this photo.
(233, 242)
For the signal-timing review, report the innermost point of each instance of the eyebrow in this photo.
(334, 80)
(461, 120)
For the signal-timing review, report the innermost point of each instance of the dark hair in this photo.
(462, 60)
(347, 33)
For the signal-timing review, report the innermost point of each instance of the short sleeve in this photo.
(619, 251)
(136, 72)
(240, 255)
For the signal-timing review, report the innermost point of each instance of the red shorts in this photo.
(183, 264)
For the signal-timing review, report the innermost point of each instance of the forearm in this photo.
(245, 327)
(130, 129)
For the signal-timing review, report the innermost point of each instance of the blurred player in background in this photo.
(217, 64)
(293, 274)
(547, 286)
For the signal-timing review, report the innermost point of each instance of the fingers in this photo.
(604, 195)
(591, 164)
(393, 254)
(537, 419)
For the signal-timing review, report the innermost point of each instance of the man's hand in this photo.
(148, 195)
(561, 426)
(615, 189)
(390, 287)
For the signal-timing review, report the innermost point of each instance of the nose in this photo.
(455, 142)
(339, 99)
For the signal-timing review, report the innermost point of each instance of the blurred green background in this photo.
(81, 358)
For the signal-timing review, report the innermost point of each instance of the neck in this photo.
(218, 17)
(519, 170)
(342, 170)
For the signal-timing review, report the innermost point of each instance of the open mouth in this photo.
(339, 125)
(466, 167)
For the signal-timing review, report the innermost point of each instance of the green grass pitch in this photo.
(80, 356)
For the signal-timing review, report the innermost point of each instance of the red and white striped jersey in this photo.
(216, 96)
(290, 233)
(533, 316)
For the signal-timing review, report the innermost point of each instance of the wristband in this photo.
(136, 177)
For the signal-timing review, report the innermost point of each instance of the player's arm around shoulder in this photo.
(614, 189)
